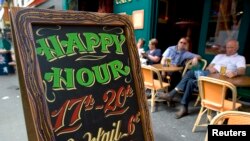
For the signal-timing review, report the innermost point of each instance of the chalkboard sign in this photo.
(79, 75)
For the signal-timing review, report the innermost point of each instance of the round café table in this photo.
(166, 69)
(238, 81)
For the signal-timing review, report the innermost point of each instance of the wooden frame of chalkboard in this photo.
(80, 76)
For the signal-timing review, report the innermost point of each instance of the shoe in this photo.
(182, 112)
(176, 99)
(166, 97)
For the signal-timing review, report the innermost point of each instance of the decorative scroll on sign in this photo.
(79, 76)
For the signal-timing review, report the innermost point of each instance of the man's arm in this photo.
(211, 68)
(195, 59)
(165, 55)
(163, 60)
(241, 68)
(239, 71)
(153, 58)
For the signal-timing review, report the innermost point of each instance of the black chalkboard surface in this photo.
(80, 77)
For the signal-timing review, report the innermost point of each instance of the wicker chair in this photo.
(213, 94)
(153, 84)
(230, 118)
(202, 63)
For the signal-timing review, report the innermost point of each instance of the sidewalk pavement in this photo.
(165, 126)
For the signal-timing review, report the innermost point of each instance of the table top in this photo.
(239, 81)
(167, 69)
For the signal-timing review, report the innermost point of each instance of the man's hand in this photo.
(194, 61)
(231, 74)
(211, 68)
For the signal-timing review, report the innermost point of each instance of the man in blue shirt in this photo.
(178, 54)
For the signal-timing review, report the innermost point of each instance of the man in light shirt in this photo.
(235, 64)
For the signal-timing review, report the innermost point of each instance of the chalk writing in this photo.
(72, 88)
(53, 48)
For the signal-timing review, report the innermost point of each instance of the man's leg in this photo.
(180, 87)
(175, 78)
(186, 98)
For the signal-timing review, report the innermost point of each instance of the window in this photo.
(224, 23)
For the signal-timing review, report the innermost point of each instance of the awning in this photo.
(33, 3)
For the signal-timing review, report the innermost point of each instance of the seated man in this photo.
(236, 65)
(178, 55)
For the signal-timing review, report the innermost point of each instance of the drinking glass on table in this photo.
(168, 61)
(223, 69)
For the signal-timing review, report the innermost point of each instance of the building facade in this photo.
(207, 23)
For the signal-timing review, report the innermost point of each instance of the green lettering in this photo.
(117, 68)
(82, 74)
(74, 42)
(92, 41)
(102, 74)
(50, 53)
(58, 80)
(118, 44)
(67, 77)
(107, 41)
